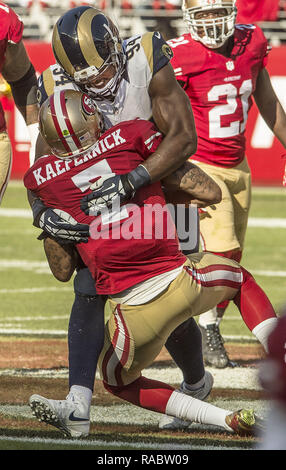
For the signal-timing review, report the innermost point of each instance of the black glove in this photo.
(59, 224)
(119, 188)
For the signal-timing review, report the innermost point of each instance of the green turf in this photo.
(265, 250)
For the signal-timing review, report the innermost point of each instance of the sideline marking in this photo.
(104, 445)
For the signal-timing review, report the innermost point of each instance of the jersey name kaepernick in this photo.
(11, 30)
(220, 90)
(134, 242)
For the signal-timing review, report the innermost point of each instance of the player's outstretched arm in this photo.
(173, 116)
(192, 180)
(270, 107)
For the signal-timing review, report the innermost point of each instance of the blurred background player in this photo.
(19, 73)
(151, 286)
(221, 67)
(272, 376)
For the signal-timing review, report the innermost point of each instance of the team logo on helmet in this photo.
(88, 105)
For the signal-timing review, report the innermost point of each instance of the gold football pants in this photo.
(223, 226)
(5, 162)
(135, 335)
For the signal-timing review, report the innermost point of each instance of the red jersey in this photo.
(141, 240)
(220, 90)
(11, 30)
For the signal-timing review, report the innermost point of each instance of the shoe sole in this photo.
(44, 413)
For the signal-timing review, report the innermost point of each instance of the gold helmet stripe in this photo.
(60, 53)
(87, 45)
(147, 44)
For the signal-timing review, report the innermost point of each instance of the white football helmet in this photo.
(212, 32)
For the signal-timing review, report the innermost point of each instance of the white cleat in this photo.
(71, 416)
(170, 422)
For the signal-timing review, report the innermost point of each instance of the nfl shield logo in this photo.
(230, 65)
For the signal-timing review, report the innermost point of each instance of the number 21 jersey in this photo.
(220, 90)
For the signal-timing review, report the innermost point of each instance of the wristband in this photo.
(139, 177)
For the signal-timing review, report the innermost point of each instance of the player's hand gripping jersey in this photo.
(220, 90)
(11, 30)
(146, 55)
(123, 242)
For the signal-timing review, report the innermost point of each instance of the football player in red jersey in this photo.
(222, 68)
(151, 286)
(143, 84)
(16, 68)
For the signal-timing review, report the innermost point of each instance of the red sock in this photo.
(230, 254)
(252, 302)
(150, 394)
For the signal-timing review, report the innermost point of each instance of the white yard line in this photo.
(43, 266)
(230, 378)
(105, 445)
(19, 213)
(35, 290)
(29, 332)
(263, 222)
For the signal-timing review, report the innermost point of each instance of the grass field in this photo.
(35, 307)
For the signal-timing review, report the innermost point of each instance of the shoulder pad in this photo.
(52, 78)
(157, 51)
(151, 46)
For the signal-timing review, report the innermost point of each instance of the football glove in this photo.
(59, 224)
(110, 189)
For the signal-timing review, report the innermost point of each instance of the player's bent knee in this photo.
(84, 284)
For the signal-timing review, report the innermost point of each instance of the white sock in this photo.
(84, 391)
(208, 318)
(185, 407)
(263, 330)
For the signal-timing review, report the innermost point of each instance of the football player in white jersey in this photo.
(127, 79)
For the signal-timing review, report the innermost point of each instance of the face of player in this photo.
(101, 80)
(210, 15)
